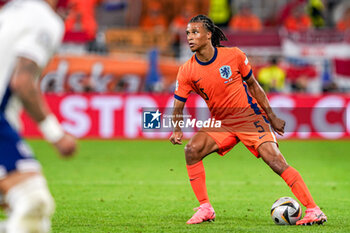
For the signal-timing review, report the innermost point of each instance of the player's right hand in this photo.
(176, 137)
(67, 145)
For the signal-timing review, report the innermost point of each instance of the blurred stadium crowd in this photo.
(137, 45)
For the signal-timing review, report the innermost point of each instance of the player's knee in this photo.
(31, 206)
(192, 150)
(192, 153)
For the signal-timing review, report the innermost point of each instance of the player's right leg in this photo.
(27, 199)
(199, 146)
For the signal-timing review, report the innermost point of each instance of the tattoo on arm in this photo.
(26, 66)
(24, 85)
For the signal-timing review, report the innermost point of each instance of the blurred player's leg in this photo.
(30, 204)
(273, 157)
(26, 197)
(197, 148)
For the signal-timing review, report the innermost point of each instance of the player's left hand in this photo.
(67, 145)
(278, 125)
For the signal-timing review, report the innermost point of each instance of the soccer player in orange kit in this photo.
(222, 76)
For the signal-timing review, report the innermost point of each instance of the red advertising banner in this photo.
(110, 116)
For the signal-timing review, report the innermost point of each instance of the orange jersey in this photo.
(220, 82)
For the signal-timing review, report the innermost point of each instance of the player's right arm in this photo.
(182, 91)
(24, 85)
(176, 136)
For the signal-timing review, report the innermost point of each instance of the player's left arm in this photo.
(259, 94)
(24, 85)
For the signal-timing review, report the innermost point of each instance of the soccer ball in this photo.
(285, 211)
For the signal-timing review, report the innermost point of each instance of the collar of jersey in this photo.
(208, 62)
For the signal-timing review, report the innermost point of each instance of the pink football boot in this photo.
(313, 215)
(205, 212)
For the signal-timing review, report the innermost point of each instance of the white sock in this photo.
(30, 207)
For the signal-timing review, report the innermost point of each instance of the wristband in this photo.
(51, 129)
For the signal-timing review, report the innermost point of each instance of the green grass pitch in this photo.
(142, 186)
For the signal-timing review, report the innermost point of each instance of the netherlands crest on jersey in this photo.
(225, 72)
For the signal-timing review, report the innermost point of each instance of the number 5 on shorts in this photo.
(261, 129)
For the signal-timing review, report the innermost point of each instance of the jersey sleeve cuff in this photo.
(248, 75)
(180, 98)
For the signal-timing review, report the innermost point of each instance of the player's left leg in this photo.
(274, 158)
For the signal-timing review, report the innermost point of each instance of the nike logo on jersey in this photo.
(196, 81)
(194, 179)
(262, 136)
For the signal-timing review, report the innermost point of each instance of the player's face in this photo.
(197, 36)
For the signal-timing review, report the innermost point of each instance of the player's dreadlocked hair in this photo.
(217, 34)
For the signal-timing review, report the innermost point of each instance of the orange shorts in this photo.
(252, 131)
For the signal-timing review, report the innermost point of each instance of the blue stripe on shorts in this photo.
(15, 154)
